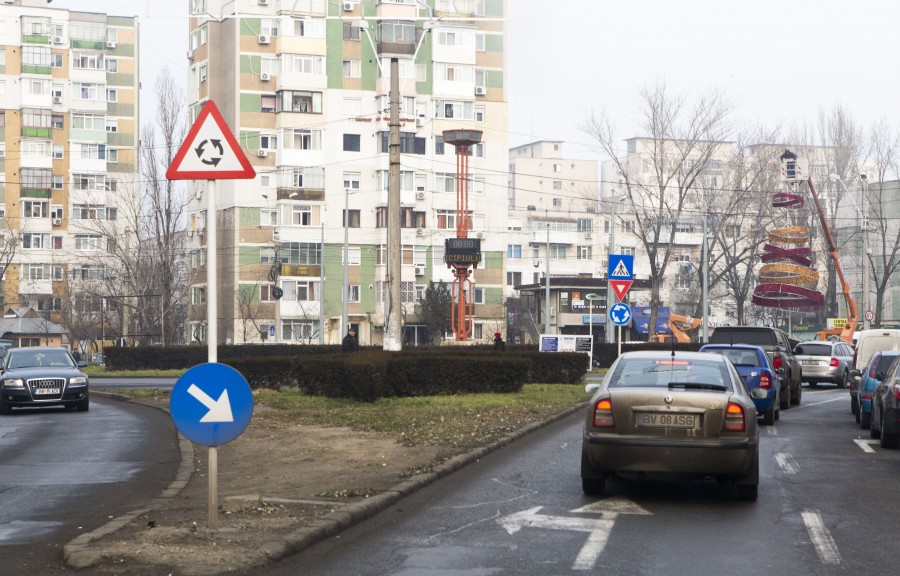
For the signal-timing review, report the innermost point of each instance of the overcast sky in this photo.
(779, 62)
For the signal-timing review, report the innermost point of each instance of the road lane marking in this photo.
(771, 431)
(786, 463)
(821, 538)
(811, 404)
(865, 445)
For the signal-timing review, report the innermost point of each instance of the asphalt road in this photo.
(826, 506)
(65, 473)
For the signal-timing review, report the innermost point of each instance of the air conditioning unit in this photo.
(480, 90)
(588, 236)
(57, 40)
(263, 2)
(275, 234)
(262, 152)
(264, 39)
(480, 234)
(420, 232)
(57, 221)
(190, 54)
(110, 44)
(420, 195)
(592, 209)
(348, 6)
(265, 77)
(532, 207)
(420, 270)
(57, 99)
(420, 120)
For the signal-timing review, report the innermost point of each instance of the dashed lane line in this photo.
(821, 538)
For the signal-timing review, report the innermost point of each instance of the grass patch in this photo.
(102, 372)
(456, 423)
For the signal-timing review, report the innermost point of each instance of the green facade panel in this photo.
(248, 293)
(120, 109)
(493, 8)
(491, 261)
(120, 79)
(122, 21)
(334, 59)
(493, 43)
(248, 255)
(250, 63)
(98, 136)
(248, 217)
(493, 296)
(119, 139)
(251, 26)
(32, 69)
(251, 102)
(249, 140)
(494, 79)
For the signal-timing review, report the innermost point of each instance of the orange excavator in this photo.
(846, 332)
(680, 326)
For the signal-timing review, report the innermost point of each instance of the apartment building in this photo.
(69, 112)
(305, 87)
(554, 223)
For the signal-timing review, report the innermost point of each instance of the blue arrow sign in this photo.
(621, 267)
(620, 314)
(211, 404)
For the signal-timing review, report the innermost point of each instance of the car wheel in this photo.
(854, 407)
(4, 408)
(842, 383)
(865, 420)
(748, 492)
(888, 440)
(769, 415)
(784, 401)
(795, 398)
(857, 417)
(873, 431)
(593, 486)
(83, 405)
(778, 413)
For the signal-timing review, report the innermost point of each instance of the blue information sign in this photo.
(620, 314)
(211, 404)
(621, 267)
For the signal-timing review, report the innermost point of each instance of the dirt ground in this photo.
(272, 480)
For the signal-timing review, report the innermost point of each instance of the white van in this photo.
(871, 341)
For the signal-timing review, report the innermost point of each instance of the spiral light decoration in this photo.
(787, 279)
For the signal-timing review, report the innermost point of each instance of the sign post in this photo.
(620, 276)
(590, 298)
(210, 152)
(620, 314)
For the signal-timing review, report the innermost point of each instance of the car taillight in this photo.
(872, 372)
(776, 362)
(834, 362)
(765, 381)
(734, 418)
(603, 416)
(896, 389)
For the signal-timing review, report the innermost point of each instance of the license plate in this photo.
(46, 391)
(810, 362)
(652, 420)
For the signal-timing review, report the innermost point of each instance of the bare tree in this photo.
(679, 150)
(883, 261)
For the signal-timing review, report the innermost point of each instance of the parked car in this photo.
(779, 349)
(870, 341)
(824, 361)
(42, 376)
(671, 414)
(886, 407)
(866, 383)
(754, 367)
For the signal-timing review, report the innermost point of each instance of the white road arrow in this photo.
(219, 410)
(598, 529)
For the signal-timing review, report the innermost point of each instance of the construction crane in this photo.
(845, 333)
(680, 326)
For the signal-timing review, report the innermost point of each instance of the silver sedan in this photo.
(824, 361)
(672, 415)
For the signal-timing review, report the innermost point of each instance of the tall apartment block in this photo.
(69, 115)
(304, 85)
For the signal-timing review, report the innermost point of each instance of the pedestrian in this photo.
(350, 343)
(76, 355)
(499, 344)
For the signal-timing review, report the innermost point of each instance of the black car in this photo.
(886, 407)
(42, 376)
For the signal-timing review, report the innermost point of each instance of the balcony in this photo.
(299, 309)
(556, 237)
(305, 194)
(301, 270)
(29, 286)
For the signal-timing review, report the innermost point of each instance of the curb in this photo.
(77, 553)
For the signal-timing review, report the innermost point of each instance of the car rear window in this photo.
(755, 337)
(738, 357)
(813, 350)
(884, 362)
(643, 372)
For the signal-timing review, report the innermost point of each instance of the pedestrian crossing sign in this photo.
(621, 267)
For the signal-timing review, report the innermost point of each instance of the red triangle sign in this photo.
(210, 151)
(620, 287)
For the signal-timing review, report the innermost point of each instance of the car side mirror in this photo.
(592, 387)
(82, 363)
(879, 375)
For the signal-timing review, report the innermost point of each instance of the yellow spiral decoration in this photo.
(795, 235)
(788, 274)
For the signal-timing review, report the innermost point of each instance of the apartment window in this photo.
(351, 180)
(112, 156)
(409, 143)
(112, 65)
(266, 293)
(300, 101)
(88, 243)
(308, 64)
(56, 60)
(57, 182)
(57, 121)
(445, 182)
(312, 27)
(268, 217)
(93, 152)
(353, 293)
(584, 252)
(354, 253)
(267, 103)
(268, 141)
(438, 144)
(297, 330)
(34, 241)
(351, 142)
(557, 251)
(35, 209)
(198, 295)
(627, 250)
(479, 295)
(303, 139)
(351, 32)
(557, 185)
(301, 215)
(557, 202)
(351, 68)
(513, 278)
(301, 290)
(627, 226)
(88, 122)
(351, 217)
(58, 151)
(87, 60)
(112, 95)
(513, 250)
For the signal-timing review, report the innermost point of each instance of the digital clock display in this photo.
(462, 250)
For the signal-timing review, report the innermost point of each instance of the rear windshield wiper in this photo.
(698, 386)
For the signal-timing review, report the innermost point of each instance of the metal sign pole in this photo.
(212, 337)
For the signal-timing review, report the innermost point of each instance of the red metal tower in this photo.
(462, 252)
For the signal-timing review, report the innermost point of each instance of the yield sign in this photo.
(620, 287)
(210, 151)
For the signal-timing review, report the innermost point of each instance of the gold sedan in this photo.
(671, 414)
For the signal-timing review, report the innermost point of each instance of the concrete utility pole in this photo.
(547, 286)
(610, 295)
(392, 327)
